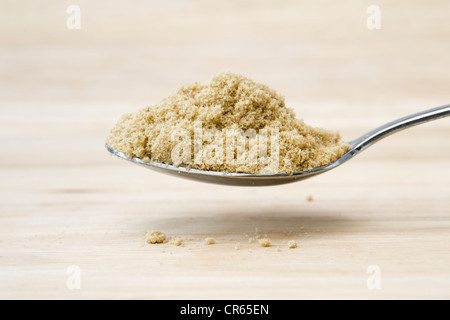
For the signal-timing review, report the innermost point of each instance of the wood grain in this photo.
(65, 201)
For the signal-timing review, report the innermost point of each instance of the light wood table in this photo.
(65, 202)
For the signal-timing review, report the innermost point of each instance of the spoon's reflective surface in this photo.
(244, 179)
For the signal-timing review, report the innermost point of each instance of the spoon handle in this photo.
(387, 129)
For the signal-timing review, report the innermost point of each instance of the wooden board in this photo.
(64, 201)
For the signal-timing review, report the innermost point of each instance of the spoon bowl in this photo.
(246, 179)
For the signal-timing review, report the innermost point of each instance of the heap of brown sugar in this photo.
(227, 102)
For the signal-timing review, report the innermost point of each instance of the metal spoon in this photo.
(244, 179)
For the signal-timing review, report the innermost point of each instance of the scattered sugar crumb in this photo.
(265, 242)
(292, 244)
(278, 250)
(238, 246)
(153, 237)
(209, 241)
(310, 198)
(176, 241)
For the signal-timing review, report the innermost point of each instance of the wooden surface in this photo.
(64, 201)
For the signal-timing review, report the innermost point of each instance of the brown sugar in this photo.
(292, 244)
(265, 242)
(176, 241)
(154, 237)
(229, 124)
(209, 241)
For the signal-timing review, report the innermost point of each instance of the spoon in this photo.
(246, 179)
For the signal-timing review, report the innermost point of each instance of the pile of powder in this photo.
(153, 237)
(176, 241)
(265, 242)
(157, 237)
(227, 102)
(209, 241)
(292, 244)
